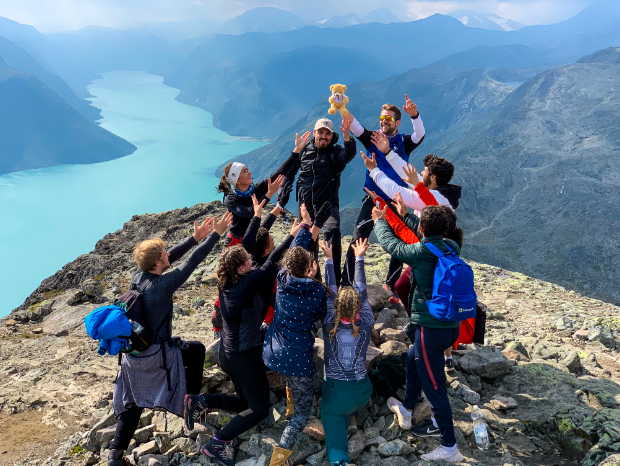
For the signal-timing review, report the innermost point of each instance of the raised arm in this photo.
(249, 238)
(393, 245)
(200, 232)
(402, 231)
(330, 281)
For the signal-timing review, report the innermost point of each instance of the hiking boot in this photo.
(449, 365)
(219, 451)
(395, 406)
(394, 299)
(279, 456)
(426, 429)
(194, 407)
(116, 458)
(441, 453)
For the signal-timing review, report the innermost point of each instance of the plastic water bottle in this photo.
(480, 429)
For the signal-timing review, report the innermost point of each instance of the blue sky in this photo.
(50, 15)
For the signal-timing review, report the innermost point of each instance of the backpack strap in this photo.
(435, 250)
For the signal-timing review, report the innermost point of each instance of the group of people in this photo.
(272, 298)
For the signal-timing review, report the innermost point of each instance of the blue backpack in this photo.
(454, 298)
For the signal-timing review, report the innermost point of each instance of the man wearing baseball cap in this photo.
(320, 161)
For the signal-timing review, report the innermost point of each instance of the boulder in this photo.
(514, 355)
(90, 458)
(517, 346)
(603, 335)
(390, 334)
(145, 433)
(145, 449)
(209, 280)
(392, 428)
(91, 288)
(185, 444)
(377, 297)
(178, 310)
(153, 460)
(75, 297)
(572, 361)
(387, 318)
(581, 334)
(371, 432)
(487, 362)
(46, 307)
(317, 459)
(463, 392)
(503, 402)
(304, 447)
(395, 448)
(315, 430)
(375, 441)
(372, 355)
(563, 323)
(421, 411)
(212, 354)
(357, 443)
(393, 347)
(212, 377)
(198, 302)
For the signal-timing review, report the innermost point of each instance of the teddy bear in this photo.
(338, 100)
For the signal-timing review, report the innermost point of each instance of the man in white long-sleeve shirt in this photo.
(401, 145)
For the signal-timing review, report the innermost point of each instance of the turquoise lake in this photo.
(50, 216)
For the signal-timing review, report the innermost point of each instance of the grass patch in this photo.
(52, 293)
(99, 277)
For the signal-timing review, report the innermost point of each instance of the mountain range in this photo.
(492, 22)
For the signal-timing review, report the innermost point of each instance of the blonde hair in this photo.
(148, 252)
(347, 306)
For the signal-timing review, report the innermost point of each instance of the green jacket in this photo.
(422, 262)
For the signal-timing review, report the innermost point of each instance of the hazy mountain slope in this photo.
(39, 129)
(338, 21)
(381, 15)
(485, 21)
(27, 37)
(539, 164)
(262, 19)
(17, 57)
(264, 98)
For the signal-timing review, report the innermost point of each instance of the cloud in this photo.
(72, 14)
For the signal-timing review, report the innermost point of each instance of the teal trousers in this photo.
(340, 400)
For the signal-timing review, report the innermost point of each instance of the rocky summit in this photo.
(547, 378)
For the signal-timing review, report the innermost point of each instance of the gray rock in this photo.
(91, 288)
(186, 445)
(145, 449)
(212, 377)
(90, 458)
(178, 310)
(572, 361)
(392, 429)
(517, 346)
(603, 335)
(395, 448)
(46, 307)
(142, 435)
(371, 432)
(393, 347)
(375, 441)
(105, 435)
(357, 443)
(473, 382)
(317, 458)
(380, 423)
(563, 323)
(398, 461)
(387, 318)
(304, 447)
(146, 418)
(390, 334)
(486, 362)
(463, 392)
(503, 402)
(75, 297)
(209, 280)
(153, 460)
(518, 441)
(198, 302)
(372, 355)
(212, 357)
(377, 297)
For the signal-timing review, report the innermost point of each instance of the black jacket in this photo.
(319, 172)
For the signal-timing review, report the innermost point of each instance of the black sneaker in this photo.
(449, 365)
(116, 458)
(219, 451)
(194, 406)
(427, 429)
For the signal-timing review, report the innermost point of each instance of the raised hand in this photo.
(272, 188)
(202, 231)
(410, 107)
(295, 227)
(258, 206)
(221, 226)
(378, 214)
(300, 142)
(412, 174)
(327, 249)
(400, 205)
(381, 141)
(345, 127)
(360, 246)
(305, 215)
(371, 164)
(372, 194)
(313, 269)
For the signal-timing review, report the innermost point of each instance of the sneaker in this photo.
(393, 296)
(426, 430)
(449, 365)
(403, 421)
(219, 451)
(116, 458)
(440, 453)
(194, 408)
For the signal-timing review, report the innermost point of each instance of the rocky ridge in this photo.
(547, 379)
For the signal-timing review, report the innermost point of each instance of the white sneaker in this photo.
(440, 453)
(403, 421)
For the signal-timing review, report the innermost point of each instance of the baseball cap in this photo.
(324, 123)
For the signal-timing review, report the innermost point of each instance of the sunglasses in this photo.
(386, 117)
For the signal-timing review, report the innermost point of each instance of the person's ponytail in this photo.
(224, 186)
(456, 235)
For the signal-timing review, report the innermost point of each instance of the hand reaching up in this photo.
(360, 247)
(202, 231)
(378, 214)
(258, 206)
(221, 226)
(300, 142)
(412, 174)
(371, 194)
(295, 228)
(371, 164)
(305, 215)
(272, 187)
(400, 205)
(345, 127)
(381, 141)
(409, 107)
(327, 249)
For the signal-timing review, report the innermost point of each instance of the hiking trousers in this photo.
(340, 400)
(251, 398)
(363, 228)
(425, 370)
(303, 396)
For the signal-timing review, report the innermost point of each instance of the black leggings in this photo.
(363, 228)
(248, 375)
(193, 360)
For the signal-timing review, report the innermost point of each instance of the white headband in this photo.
(235, 171)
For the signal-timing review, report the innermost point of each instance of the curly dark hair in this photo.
(441, 168)
(262, 240)
(224, 186)
(454, 232)
(433, 221)
(228, 267)
(297, 260)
